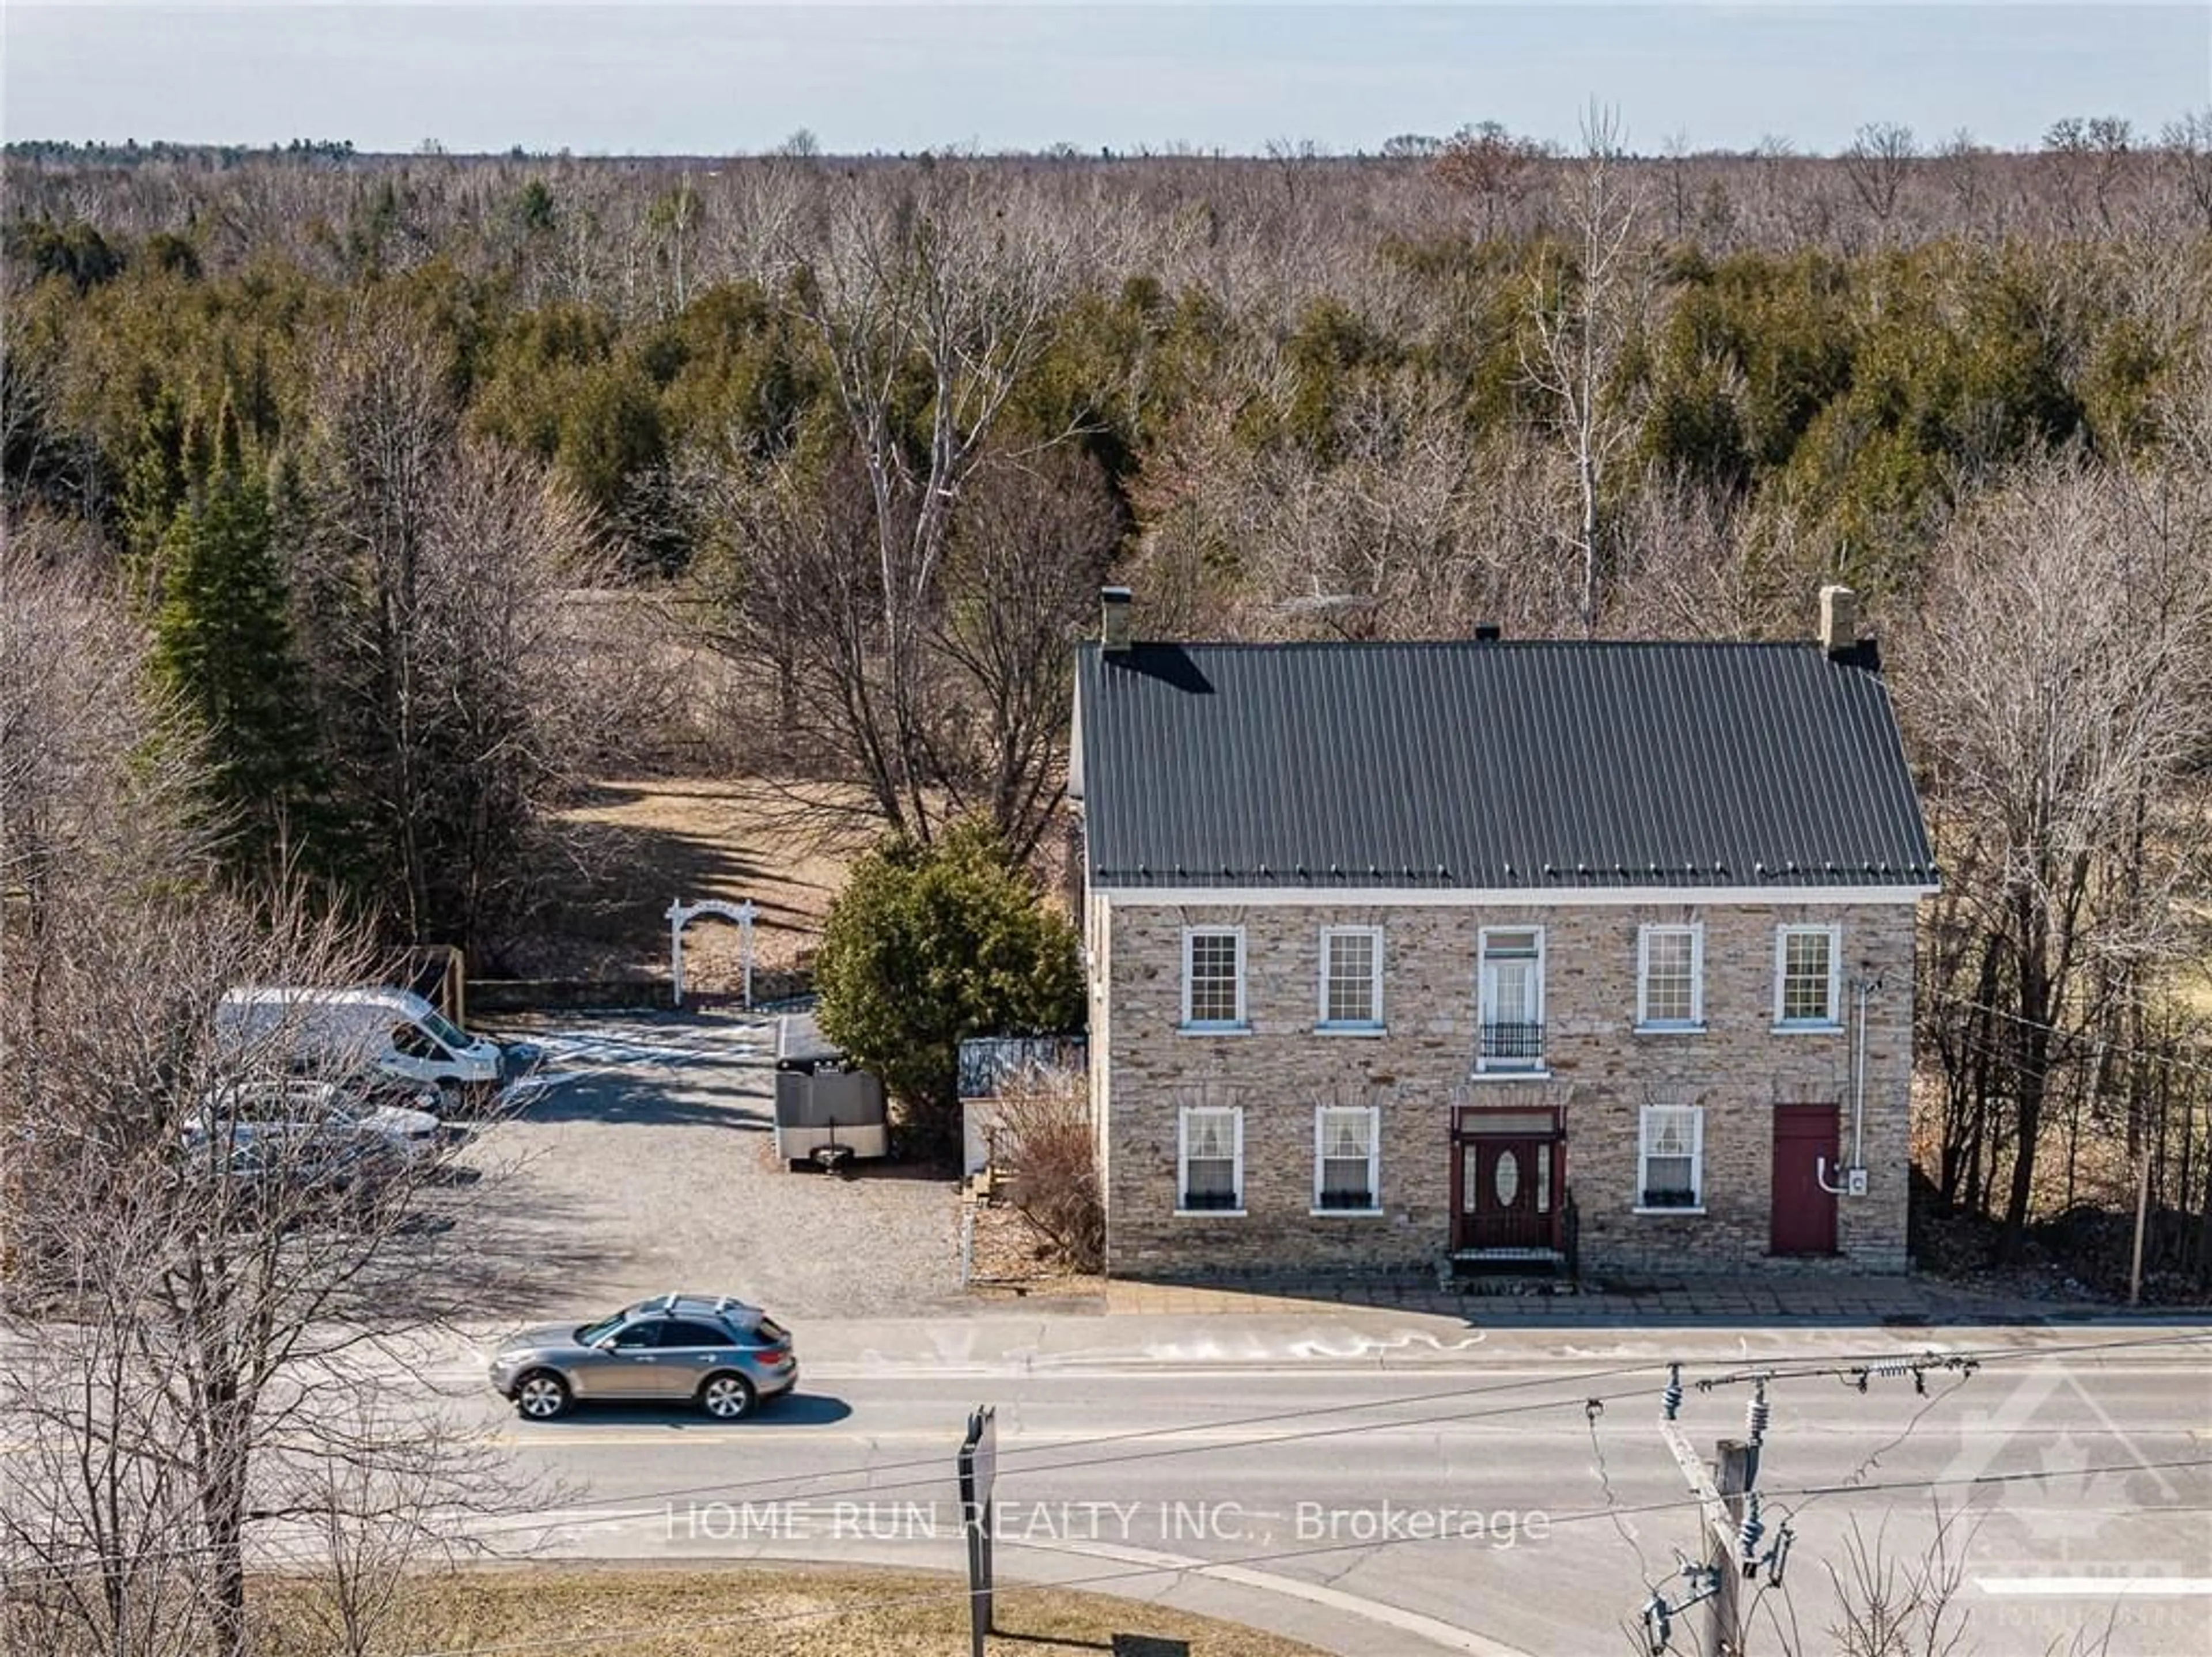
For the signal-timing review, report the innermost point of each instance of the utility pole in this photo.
(1735, 1471)
(1728, 1507)
(1737, 1550)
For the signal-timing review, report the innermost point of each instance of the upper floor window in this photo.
(1511, 1013)
(1669, 977)
(1213, 978)
(1352, 978)
(1809, 976)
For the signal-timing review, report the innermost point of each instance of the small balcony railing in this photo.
(1516, 1046)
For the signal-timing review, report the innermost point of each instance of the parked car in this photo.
(296, 1113)
(292, 1181)
(377, 1089)
(713, 1351)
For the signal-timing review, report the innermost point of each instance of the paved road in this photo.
(1392, 1483)
(1372, 1480)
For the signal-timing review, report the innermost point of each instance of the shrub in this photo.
(1045, 1133)
(929, 945)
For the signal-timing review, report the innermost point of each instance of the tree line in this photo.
(347, 447)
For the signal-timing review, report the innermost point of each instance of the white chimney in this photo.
(1839, 619)
(1114, 618)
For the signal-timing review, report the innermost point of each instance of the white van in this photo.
(393, 1031)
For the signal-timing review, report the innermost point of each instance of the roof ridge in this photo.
(1367, 644)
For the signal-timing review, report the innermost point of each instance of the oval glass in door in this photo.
(1506, 1180)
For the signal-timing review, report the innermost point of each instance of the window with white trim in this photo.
(1210, 1159)
(1807, 977)
(1352, 978)
(1669, 977)
(1213, 977)
(1511, 1011)
(1671, 1164)
(1346, 1152)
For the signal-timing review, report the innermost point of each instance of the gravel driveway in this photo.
(645, 1162)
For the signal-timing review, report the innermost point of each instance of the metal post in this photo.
(746, 911)
(978, 1467)
(2143, 1214)
(676, 915)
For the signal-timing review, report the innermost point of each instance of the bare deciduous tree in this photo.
(2187, 145)
(198, 1313)
(930, 302)
(1030, 546)
(1493, 167)
(1583, 318)
(437, 577)
(1880, 159)
(2057, 687)
(96, 772)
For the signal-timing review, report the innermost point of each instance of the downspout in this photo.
(1853, 1180)
(1865, 987)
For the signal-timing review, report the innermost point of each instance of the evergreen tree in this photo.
(222, 642)
(153, 484)
(928, 946)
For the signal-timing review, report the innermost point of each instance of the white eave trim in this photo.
(1644, 897)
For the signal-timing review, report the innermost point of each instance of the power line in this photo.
(2098, 1043)
(1857, 1475)
(1593, 1408)
(1851, 1364)
(936, 1465)
(1276, 1556)
(1732, 1505)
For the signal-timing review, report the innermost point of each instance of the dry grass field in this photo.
(757, 1611)
(643, 842)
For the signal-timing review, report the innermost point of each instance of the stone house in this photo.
(1492, 952)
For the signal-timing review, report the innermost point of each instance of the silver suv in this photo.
(712, 1350)
(298, 1111)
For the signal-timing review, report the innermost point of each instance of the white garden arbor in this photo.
(681, 915)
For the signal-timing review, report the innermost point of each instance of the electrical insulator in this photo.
(1756, 1414)
(1658, 1626)
(1671, 1399)
(1747, 1537)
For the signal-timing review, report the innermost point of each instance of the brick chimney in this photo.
(1114, 618)
(1840, 620)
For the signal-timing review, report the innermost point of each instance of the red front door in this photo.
(1805, 1138)
(1505, 1193)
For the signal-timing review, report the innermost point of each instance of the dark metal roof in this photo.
(1493, 766)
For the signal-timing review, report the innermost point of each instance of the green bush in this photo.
(929, 945)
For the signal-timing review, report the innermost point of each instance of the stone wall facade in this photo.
(1600, 1069)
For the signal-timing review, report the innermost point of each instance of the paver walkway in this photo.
(1719, 1300)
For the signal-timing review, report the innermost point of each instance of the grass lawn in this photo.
(787, 1610)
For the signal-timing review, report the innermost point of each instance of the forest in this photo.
(395, 498)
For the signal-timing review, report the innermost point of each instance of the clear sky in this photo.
(726, 78)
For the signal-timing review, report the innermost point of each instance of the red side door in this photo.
(1805, 1143)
